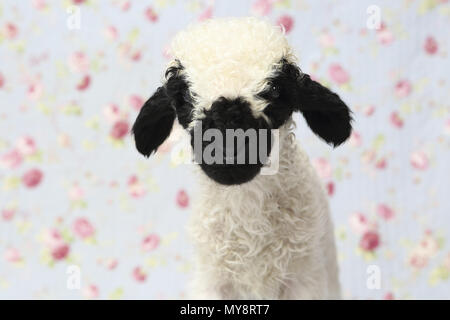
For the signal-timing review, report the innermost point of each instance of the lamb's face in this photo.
(250, 110)
(236, 74)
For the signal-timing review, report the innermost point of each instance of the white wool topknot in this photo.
(229, 57)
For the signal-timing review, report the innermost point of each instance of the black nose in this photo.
(233, 114)
(237, 155)
(230, 114)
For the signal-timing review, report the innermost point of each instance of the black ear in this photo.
(154, 122)
(326, 114)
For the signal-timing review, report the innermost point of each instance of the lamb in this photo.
(256, 236)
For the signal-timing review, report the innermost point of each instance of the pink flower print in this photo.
(84, 83)
(91, 292)
(112, 113)
(431, 45)
(111, 264)
(26, 146)
(39, 4)
(287, 22)
(59, 249)
(355, 139)
(395, 119)
(166, 52)
(368, 156)
(119, 130)
(206, 14)
(385, 212)
(381, 164)
(32, 178)
(125, 5)
(64, 140)
(150, 242)
(369, 110)
(136, 102)
(323, 168)
(447, 127)
(2, 80)
(182, 199)
(78, 62)
(402, 88)
(52, 238)
(83, 228)
(419, 160)
(136, 55)
(446, 263)
(326, 40)
(8, 214)
(338, 74)
(11, 159)
(10, 31)
(370, 241)
(359, 223)
(418, 261)
(12, 255)
(135, 187)
(330, 188)
(424, 251)
(151, 15)
(76, 193)
(384, 35)
(60, 252)
(389, 296)
(139, 275)
(35, 90)
(262, 7)
(429, 245)
(111, 33)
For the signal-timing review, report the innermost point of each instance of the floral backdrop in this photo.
(74, 192)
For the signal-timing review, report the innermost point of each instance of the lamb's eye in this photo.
(274, 91)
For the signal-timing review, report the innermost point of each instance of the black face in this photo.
(236, 114)
(288, 90)
(243, 142)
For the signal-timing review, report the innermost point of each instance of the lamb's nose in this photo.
(230, 134)
(230, 114)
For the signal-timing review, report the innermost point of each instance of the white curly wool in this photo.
(272, 237)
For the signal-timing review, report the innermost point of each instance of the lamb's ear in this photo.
(154, 122)
(326, 114)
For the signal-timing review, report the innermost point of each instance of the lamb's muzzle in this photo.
(241, 142)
